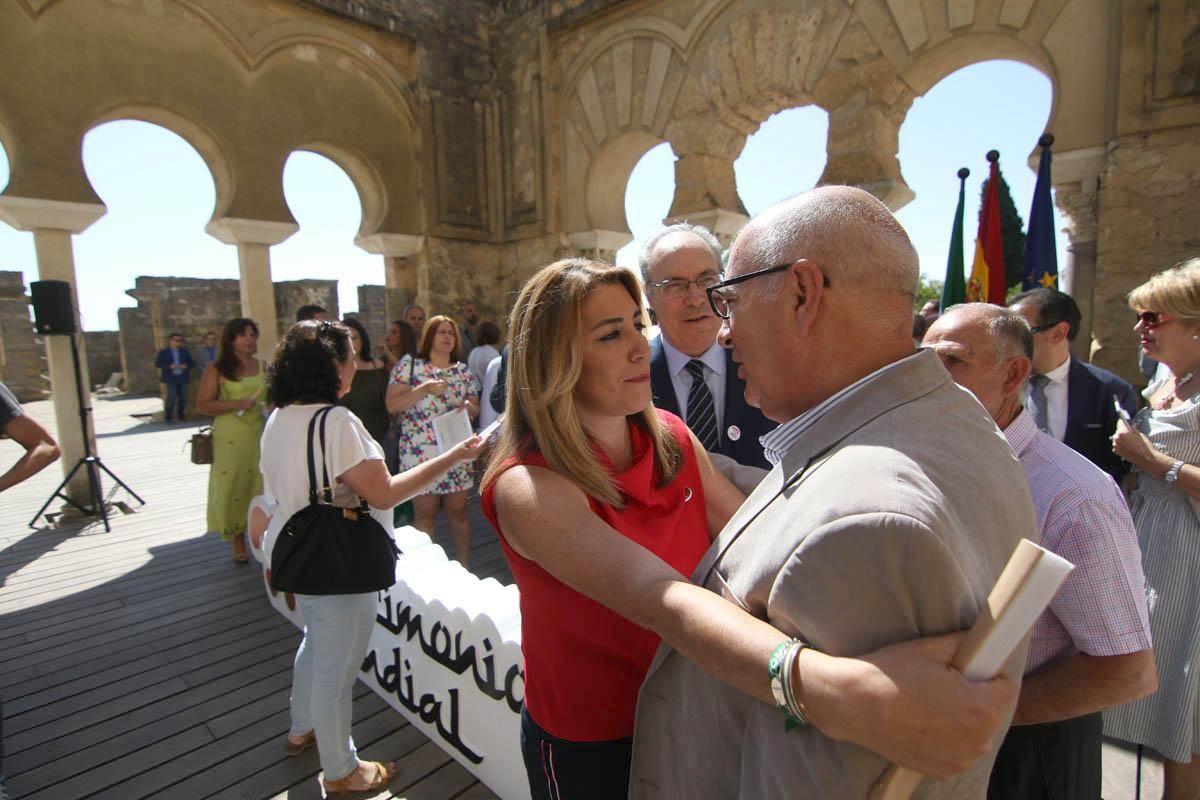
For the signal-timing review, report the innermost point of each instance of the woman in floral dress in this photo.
(232, 392)
(421, 388)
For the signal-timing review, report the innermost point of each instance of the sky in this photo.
(160, 194)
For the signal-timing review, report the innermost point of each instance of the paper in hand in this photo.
(451, 428)
(492, 429)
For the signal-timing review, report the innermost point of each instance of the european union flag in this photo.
(1041, 254)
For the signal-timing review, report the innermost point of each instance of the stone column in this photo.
(1076, 184)
(53, 222)
(705, 184)
(598, 244)
(862, 142)
(254, 238)
(399, 268)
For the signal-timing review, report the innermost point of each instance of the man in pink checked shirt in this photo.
(1091, 649)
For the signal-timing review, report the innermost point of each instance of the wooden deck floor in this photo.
(145, 663)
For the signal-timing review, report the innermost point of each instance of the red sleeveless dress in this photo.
(584, 664)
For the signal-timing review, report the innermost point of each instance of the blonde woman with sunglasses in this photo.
(1163, 444)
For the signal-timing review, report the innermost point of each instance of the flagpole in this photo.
(954, 287)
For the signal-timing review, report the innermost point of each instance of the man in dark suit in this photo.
(1068, 398)
(690, 373)
(175, 365)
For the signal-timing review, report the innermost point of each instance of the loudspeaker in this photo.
(53, 311)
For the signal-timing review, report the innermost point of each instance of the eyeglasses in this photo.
(718, 296)
(677, 288)
(1152, 319)
(1045, 327)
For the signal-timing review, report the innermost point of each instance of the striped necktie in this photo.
(701, 415)
(1037, 399)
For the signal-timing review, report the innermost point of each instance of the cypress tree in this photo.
(1012, 233)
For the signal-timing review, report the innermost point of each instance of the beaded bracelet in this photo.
(779, 671)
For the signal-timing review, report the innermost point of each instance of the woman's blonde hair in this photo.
(430, 331)
(1175, 291)
(545, 360)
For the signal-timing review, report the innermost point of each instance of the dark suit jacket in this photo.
(1091, 418)
(746, 450)
(163, 361)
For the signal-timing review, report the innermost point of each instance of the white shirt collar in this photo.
(1059, 373)
(713, 358)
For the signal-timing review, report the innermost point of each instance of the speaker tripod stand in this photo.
(90, 462)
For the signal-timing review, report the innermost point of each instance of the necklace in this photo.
(1170, 398)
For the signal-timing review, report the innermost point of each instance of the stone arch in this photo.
(201, 139)
(304, 78)
(372, 191)
(609, 174)
(619, 97)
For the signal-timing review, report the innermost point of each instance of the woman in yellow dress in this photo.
(233, 393)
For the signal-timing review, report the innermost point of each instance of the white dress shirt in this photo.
(714, 377)
(1056, 399)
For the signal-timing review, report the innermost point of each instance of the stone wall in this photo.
(193, 307)
(103, 355)
(22, 360)
(372, 314)
(1149, 220)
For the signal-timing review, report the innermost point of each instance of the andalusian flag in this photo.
(954, 290)
(1041, 255)
(987, 272)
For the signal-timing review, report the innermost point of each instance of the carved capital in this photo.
(32, 213)
(599, 244)
(232, 230)
(723, 223)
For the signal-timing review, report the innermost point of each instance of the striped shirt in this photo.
(779, 441)
(1101, 608)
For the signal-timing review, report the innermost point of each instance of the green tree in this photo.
(1012, 232)
(927, 290)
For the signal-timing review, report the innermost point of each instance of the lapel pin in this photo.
(733, 433)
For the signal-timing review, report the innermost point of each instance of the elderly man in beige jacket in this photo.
(892, 507)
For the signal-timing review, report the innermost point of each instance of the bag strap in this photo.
(326, 495)
(326, 486)
(327, 491)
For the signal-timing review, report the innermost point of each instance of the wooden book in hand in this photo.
(1024, 589)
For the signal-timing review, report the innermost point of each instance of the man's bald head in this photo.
(846, 231)
(835, 302)
(988, 350)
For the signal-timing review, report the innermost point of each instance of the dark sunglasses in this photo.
(719, 301)
(1152, 319)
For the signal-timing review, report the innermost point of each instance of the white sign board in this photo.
(446, 653)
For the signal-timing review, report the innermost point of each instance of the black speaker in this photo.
(53, 311)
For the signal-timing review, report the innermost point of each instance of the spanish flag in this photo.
(987, 272)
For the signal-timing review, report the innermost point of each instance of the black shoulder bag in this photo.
(326, 549)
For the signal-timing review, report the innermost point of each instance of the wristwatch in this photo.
(1173, 473)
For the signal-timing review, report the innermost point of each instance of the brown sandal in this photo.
(383, 775)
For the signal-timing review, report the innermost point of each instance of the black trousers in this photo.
(1054, 761)
(560, 769)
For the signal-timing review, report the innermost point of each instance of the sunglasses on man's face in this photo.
(1152, 319)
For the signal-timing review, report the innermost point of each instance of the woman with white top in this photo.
(314, 366)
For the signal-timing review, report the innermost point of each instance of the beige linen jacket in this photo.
(889, 518)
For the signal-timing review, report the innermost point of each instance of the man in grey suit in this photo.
(893, 504)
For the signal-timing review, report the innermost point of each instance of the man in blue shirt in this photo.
(175, 365)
